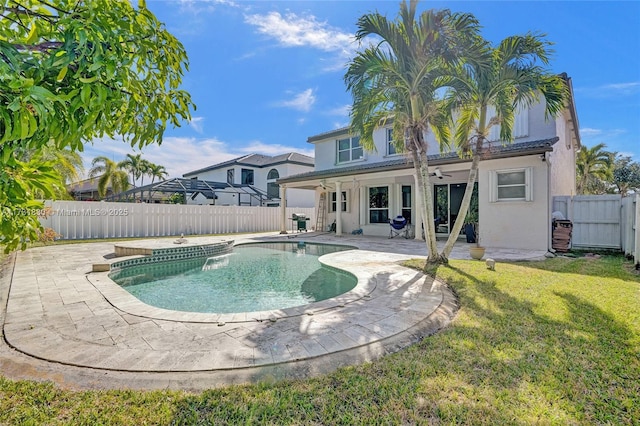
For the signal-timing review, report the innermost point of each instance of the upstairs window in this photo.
(349, 149)
(230, 176)
(391, 148)
(247, 177)
(273, 189)
(273, 174)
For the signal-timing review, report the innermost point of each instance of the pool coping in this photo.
(294, 344)
(121, 299)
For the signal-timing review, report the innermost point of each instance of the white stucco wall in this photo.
(563, 161)
(325, 149)
(514, 224)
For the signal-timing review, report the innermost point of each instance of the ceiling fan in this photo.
(437, 173)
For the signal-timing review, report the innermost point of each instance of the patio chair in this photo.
(399, 227)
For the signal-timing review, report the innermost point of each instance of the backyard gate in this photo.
(603, 221)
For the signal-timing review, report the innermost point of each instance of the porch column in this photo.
(338, 208)
(418, 203)
(362, 203)
(283, 209)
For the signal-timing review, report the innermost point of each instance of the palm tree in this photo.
(487, 92)
(143, 170)
(592, 165)
(132, 164)
(398, 78)
(156, 171)
(67, 163)
(110, 175)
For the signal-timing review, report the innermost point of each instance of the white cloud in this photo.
(611, 90)
(293, 30)
(302, 101)
(196, 123)
(623, 87)
(587, 132)
(199, 6)
(180, 155)
(615, 139)
(342, 111)
(258, 147)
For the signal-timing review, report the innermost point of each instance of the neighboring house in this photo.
(516, 182)
(86, 190)
(253, 178)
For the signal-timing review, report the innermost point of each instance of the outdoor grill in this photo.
(299, 221)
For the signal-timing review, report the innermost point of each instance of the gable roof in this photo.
(259, 161)
(495, 151)
(330, 134)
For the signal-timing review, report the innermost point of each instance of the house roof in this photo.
(572, 110)
(494, 151)
(259, 161)
(330, 134)
(87, 185)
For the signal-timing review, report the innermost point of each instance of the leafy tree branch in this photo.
(72, 71)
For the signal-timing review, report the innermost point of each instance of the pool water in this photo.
(253, 277)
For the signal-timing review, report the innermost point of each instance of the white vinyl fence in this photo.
(603, 221)
(631, 227)
(75, 220)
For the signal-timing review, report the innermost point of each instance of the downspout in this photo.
(547, 159)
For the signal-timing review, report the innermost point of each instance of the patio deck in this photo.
(64, 323)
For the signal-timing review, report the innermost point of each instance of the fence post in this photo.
(636, 251)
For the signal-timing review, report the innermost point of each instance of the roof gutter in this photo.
(330, 173)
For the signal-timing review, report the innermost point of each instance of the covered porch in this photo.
(364, 200)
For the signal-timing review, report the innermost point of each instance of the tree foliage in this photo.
(398, 79)
(626, 175)
(486, 91)
(110, 175)
(72, 71)
(600, 171)
(67, 163)
(593, 169)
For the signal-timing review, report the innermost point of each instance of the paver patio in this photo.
(64, 323)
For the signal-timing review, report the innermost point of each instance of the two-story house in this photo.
(362, 190)
(253, 179)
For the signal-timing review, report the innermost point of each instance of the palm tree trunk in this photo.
(464, 206)
(420, 164)
(153, 178)
(471, 180)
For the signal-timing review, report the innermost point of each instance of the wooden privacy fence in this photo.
(75, 220)
(603, 221)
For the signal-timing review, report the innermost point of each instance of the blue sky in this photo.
(265, 75)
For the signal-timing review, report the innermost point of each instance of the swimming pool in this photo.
(253, 277)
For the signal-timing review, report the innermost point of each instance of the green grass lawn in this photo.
(553, 342)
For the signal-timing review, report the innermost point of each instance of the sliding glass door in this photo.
(447, 201)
